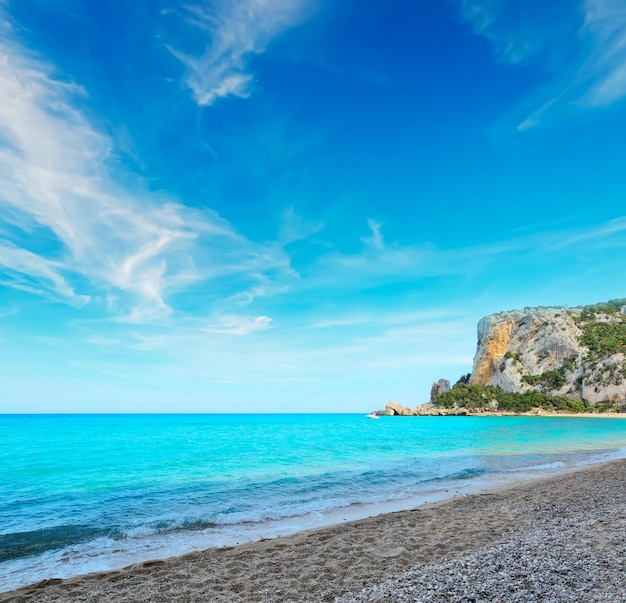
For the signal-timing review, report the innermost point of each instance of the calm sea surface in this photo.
(81, 493)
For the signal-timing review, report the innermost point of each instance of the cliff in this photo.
(539, 361)
(578, 353)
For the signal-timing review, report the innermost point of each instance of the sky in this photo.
(295, 205)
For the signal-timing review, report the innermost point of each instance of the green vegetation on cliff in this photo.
(552, 379)
(555, 358)
(612, 307)
(602, 335)
(482, 397)
(602, 338)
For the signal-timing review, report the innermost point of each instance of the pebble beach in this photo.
(554, 539)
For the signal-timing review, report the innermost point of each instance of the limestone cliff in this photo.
(579, 353)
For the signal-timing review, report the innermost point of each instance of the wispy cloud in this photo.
(523, 32)
(580, 45)
(30, 272)
(383, 317)
(374, 266)
(236, 31)
(293, 227)
(376, 240)
(392, 341)
(605, 69)
(9, 311)
(239, 325)
(68, 230)
(600, 235)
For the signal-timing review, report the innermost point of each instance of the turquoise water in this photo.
(81, 493)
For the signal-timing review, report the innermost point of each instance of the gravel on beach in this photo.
(570, 554)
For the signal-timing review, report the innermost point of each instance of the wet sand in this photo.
(555, 539)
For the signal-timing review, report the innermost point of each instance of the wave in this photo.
(466, 473)
(207, 506)
(35, 542)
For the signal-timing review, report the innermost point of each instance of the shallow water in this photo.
(81, 493)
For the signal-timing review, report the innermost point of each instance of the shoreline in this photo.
(432, 409)
(109, 556)
(543, 414)
(435, 411)
(324, 563)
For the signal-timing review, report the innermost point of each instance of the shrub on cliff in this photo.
(611, 307)
(552, 379)
(463, 379)
(480, 397)
(604, 339)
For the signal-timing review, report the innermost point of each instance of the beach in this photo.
(560, 538)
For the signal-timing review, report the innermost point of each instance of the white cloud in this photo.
(377, 266)
(266, 289)
(580, 45)
(69, 231)
(605, 69)
(293, 228)
(383, 317)
(237, 30)
(376, 240)
(239, 325)
(23, 269)
(599, 235)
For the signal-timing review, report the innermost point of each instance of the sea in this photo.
(84, 493)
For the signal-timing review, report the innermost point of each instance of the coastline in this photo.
(342, 560)
(431, 410)
(533, 413)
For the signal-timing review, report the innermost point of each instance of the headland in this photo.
(547, 361)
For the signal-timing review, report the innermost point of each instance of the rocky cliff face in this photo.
(579, 353)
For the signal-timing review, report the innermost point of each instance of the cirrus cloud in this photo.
(71, 232)
(581, 46)
(235, 31)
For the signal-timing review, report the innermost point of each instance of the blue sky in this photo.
(295, 205)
